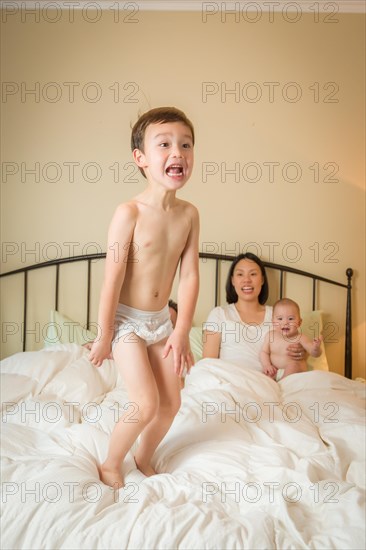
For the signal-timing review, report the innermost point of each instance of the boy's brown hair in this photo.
(160, 115)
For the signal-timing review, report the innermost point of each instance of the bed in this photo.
(248, 462)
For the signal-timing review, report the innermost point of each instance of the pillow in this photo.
(312, 326)
(195, 340)
(62, 330)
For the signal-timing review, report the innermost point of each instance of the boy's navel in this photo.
(156, 294)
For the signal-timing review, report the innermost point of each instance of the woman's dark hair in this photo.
(231, 295)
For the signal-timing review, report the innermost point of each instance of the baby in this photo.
(286, 322)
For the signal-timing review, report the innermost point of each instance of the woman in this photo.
(236, 332)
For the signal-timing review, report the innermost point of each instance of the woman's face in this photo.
(247, 280)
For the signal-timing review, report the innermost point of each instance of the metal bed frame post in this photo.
(217, 275)
(348, 343)
(24, 336)
(88, 296)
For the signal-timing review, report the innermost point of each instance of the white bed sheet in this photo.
(248, 463)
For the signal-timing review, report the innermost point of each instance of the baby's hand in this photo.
(316, 343)
(270, 371)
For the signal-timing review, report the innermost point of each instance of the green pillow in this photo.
(312, 326)
(62, 330)
(195, 340)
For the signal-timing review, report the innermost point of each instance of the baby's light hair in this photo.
(286, 302)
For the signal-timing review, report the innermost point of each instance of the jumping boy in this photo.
(286, 323)
(148, 237)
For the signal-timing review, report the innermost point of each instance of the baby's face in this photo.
(286, 319)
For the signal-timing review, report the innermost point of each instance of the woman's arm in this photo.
(265, 358)
(211, 344)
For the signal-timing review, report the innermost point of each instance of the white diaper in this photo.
(279, 375)
(150, 326)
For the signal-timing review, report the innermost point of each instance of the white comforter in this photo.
(248, 463)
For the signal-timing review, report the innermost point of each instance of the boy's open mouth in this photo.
(174, 170)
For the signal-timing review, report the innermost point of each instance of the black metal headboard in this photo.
(217, 258)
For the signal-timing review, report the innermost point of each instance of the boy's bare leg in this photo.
(168, 385)
(134, 366)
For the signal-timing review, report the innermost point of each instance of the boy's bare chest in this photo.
(161, 233)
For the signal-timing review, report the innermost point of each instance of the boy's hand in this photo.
(178, 342)
(99, 351)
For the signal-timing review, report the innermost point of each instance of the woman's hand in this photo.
(297, 352)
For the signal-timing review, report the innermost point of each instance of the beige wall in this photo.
(169, 59)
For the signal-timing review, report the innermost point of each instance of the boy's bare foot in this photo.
(147, 470)
(111, 476)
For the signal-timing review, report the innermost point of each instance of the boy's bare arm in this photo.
(311, 346)
(120, 236)
(188, 288)
(189, 276)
